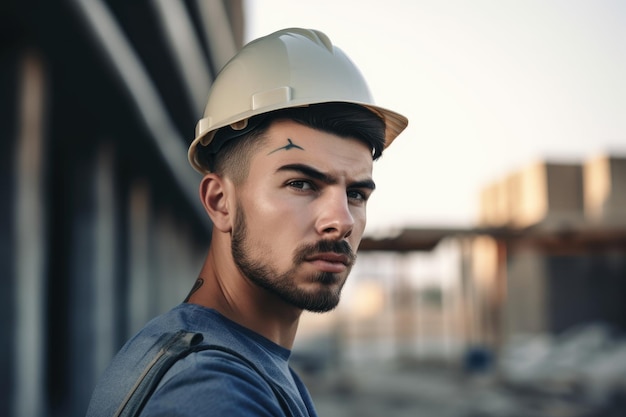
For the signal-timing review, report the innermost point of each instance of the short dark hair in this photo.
(341, 119)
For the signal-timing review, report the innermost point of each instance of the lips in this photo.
(331, 258)
(326, 256)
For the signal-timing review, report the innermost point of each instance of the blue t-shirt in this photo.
(208, 382)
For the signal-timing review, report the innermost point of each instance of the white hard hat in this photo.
(289, 68)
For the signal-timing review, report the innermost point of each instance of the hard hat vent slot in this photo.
(268, 98)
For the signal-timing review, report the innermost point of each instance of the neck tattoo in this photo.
(195, 288)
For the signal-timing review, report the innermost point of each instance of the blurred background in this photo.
(492, 278)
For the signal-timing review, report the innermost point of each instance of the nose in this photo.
(335, 220)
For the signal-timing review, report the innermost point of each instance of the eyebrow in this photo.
(311, 172)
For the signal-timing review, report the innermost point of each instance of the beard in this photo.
(329, 285)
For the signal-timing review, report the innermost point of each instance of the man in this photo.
(286, 148)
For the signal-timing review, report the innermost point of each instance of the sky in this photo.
(489, 87)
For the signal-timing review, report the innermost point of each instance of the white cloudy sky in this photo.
(488, 85)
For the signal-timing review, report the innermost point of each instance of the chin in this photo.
(320, 301)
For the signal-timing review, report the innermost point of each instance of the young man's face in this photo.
(301, 214)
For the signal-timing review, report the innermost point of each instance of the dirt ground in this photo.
(402, 390)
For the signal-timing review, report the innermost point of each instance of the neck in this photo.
(222, 287)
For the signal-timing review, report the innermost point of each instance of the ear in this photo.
(214, 196)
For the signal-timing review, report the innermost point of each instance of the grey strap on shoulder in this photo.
(174, 348)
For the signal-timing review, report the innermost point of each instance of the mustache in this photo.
(340, 247)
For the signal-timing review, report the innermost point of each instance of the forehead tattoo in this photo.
(288, 146)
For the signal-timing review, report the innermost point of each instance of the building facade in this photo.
(101, 228)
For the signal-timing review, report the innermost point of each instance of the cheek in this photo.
(278, 220)
(279, 210)
(360, 220)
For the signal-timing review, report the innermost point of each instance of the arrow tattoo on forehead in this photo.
(288, 146)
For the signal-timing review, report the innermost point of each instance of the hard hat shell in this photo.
(289, 68)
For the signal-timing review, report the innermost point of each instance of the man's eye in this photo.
(301, 185)
(357, 195)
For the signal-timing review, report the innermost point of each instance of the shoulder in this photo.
(216, 382)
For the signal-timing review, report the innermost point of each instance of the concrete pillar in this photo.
(605, 190)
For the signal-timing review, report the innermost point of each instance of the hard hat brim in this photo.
(395, 123)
